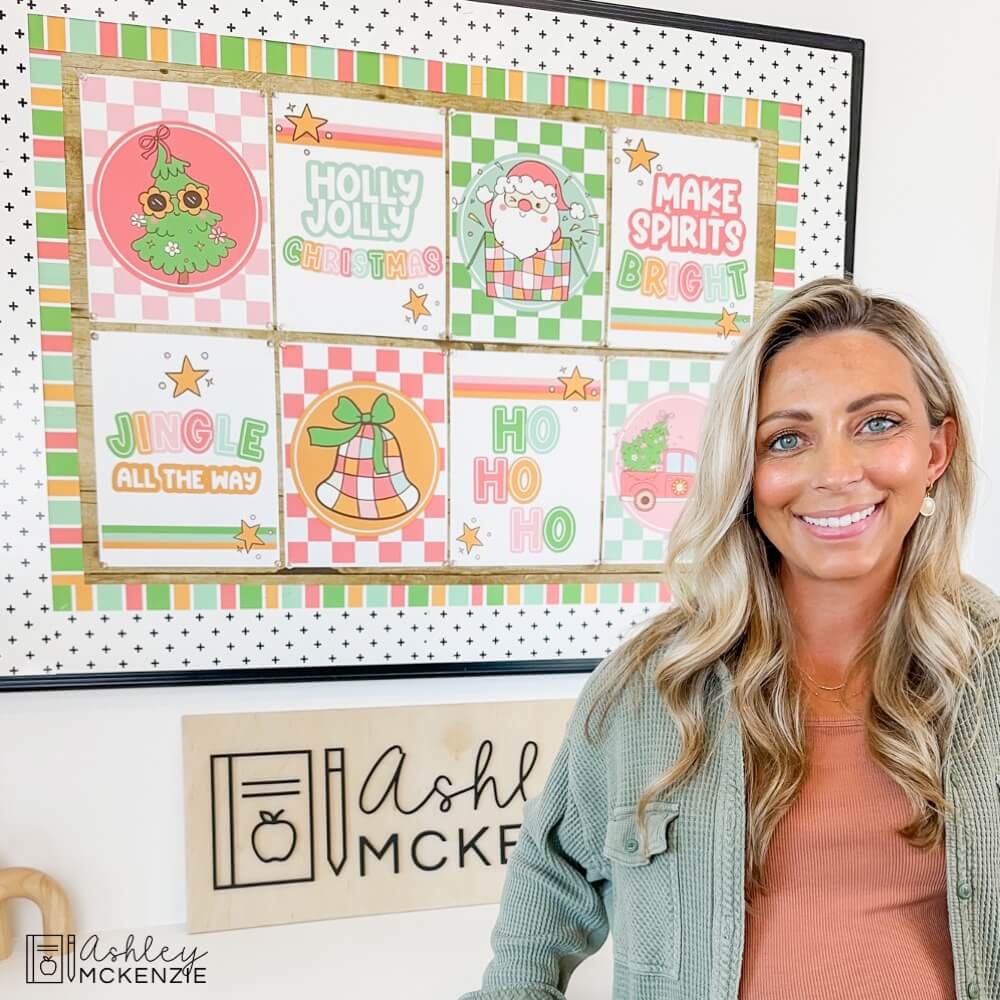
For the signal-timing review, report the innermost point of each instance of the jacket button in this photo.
(973, 990)
(964, 890)
(631, 845)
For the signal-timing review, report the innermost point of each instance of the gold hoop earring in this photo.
(928, 505)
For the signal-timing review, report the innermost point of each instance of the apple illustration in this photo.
(273, 839)
(47, 966)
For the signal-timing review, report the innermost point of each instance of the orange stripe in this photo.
(64, 487)
(55, 34)
(590, 593)
(182, 596)
(299, 62)
(390, 70)
(438, 595)
(476, 81)
(180, 545)
(51, 199)
(158, 47)
(786, 237)
(513, 593)
(675, 104)
(46, 97)
(271, 597)
(371, 147)
(55, 392)
(788, 152)
(254, 55)
(598, 95)
(53, 295)
(355, 596)
(83, 598)
(751, 113)
(67, 580)
(515, 85)
(663, 329)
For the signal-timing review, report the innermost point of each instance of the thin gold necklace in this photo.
(825, 687)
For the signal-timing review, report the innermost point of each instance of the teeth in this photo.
(841, 522)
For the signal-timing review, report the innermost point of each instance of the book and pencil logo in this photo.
(50, 958)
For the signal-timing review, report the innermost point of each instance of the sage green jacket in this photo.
(675, 912)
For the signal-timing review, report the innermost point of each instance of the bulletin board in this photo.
(384, 358)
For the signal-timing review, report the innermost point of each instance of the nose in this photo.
(524, 205)
(837, 465)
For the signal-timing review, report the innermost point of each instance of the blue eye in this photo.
(889, 420)
(782, 437)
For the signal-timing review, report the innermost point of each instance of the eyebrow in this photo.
(858, 404)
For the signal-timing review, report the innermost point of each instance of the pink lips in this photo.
(848, 531)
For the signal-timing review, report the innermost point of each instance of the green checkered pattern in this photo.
(631, 382)
(476, 141)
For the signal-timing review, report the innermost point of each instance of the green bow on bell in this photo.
(347, 412)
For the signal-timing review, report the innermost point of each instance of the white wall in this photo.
(77, 801)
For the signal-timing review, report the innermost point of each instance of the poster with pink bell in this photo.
(176, 203)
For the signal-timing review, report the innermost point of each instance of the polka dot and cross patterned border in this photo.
(803, 94)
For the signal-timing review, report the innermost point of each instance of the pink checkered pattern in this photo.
(543, 277)
(309, 369)
(113, 105)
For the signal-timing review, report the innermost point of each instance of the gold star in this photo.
(247, 536)
(726, 323)
(640, 157)
(186, 380)
(575, 384)
(306, 124)
(416, 305)
(469, 537)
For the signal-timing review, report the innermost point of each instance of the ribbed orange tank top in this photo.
(854, 912)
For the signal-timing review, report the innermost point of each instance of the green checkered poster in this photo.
(528, 216)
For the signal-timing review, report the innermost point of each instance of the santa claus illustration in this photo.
(523, 208)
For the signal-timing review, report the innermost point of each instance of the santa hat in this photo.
(531, 177)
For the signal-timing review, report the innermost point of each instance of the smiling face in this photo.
(857, 436)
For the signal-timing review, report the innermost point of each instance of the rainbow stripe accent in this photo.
(371, 140)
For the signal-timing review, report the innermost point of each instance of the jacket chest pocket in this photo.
(646, 929)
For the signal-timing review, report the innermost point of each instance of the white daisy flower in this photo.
(172, 249)
(217, 234)
(138, 219)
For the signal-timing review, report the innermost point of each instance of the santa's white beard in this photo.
(522, 233)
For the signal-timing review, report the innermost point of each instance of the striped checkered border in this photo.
(49, 37)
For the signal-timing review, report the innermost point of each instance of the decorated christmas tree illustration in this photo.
(644, 452)
(182, 235)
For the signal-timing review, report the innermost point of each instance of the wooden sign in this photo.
(294, 816)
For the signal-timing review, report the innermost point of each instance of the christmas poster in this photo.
(528, 203)
(359, 216)
(185, 449)
(364, 436)
(683, 240)
(176, 202)
(526, 458)
(656, 408)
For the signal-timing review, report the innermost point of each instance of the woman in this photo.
(781, 787)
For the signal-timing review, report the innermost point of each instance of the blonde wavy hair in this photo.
(727, 603)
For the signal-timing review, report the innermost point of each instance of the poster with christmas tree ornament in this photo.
(528, 208)
(364, 434)
(683, 240)
(359, 216)
(526, 458)
(655, 411)
(176, 202)
(185, 450)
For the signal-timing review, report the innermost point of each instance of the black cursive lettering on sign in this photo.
(386, 774)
